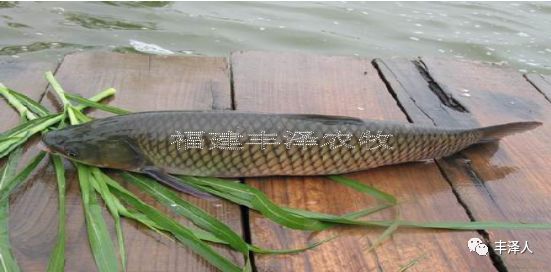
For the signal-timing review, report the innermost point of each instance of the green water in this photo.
(511, 34)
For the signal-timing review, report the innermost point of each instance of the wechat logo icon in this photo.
(476, 245)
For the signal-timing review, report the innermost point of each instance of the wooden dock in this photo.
(509, 181)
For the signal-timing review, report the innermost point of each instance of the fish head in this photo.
(93, 145)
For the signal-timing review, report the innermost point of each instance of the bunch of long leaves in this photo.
(120, 202)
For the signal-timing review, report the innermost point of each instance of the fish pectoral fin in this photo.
(175, 183)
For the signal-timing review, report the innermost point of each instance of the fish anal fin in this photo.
(175, 183)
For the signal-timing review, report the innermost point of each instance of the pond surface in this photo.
(513, 34)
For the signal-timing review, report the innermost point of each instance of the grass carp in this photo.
(241, 144)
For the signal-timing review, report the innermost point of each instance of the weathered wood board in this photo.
(505, 181)
(513, 181)
(542, 84)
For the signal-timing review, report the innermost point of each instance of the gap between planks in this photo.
(245, 218)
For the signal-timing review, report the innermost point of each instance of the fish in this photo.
(246, 144)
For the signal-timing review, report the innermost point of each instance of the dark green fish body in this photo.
(239, 144)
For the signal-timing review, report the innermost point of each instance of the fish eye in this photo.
(71, 153)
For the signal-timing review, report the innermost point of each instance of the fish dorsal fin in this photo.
(326, 119)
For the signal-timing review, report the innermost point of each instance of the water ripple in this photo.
(96, 22)
(512, 33)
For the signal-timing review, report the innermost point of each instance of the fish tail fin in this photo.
(494, 133)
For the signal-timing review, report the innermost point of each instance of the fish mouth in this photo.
(49, 148)
(42, 146)
(50, 144)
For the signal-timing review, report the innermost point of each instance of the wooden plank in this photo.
(542, 84)
(273, 82)
(515, 177)
(504, 181)
(143, 83)
(27, 77)
(417, 94)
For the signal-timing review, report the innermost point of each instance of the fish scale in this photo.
(409, 143)
(149, 136)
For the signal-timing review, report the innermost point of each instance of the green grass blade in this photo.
(385, 235)
(22, 133)
(114, 206)
(57, 258)
(183, 234)
(57, 88)
(98, 97)
(61, 95)
(11, 140)
(245, 195)
(231, 189)
(291, 251)
(248, 266)
(412, 262)
(366, 212)
(360, 187)
(477, 225)
(7, 260)
(98, 235)
(143, 219)
(79, 116)
(32, 105)
(8, 171)
(67, 104)
(209, 237)
(93, 104)
(346, 219)
(257, 200)
(199, 217)
(28, 125)
(23, 111)
(450, 225)
(32, 126)
(10, 184)
(8, 144)
(332, 220)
